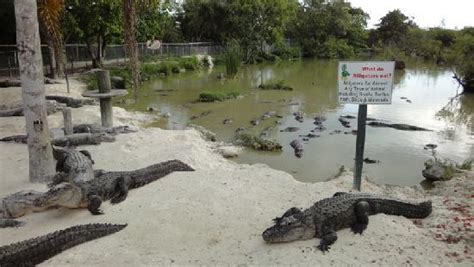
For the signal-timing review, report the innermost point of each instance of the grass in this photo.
(276, 85)
(257, 143)
(232, 58)
(208, 96)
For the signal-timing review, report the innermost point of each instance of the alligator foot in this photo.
(362, 215)
(93, 205)
(358, 228)
(327, 240)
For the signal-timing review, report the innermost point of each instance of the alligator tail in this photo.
(154, 172)
(400, 208)
(36, 250)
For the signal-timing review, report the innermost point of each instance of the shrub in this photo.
(275, 85)
(190, 63)
(232, 58)
(208, 96)
(286, 52)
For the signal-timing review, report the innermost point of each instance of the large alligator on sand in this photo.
(36, 250)
(111, 186)
(343, 210)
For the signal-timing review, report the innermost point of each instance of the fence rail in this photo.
(78, 54)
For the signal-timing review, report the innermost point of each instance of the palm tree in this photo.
(50, 14)
(41, 160)
(130, 30)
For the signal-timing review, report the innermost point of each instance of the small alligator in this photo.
(36, 250)
(343, 210)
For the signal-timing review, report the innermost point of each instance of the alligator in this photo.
(111, 186)
(72, 166)
(342, 210)
(96, 128)
(77, 139)
(298, 147)
(36, 250)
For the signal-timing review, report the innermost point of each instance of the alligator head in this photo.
(289, 227)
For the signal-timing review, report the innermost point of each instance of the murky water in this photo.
(401, 153)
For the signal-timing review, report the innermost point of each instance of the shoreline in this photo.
(215, 215)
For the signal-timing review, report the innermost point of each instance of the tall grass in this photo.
(232, 58)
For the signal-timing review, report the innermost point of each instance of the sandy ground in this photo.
(215, 215)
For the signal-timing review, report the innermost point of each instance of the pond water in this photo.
(401, 154)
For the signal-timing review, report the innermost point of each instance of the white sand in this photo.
(215, 215)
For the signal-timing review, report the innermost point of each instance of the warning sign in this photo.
(366, 82)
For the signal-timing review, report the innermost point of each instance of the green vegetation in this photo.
(217, 96)
(232, 58)
(257, 143)
(275, 85)
(462, 58)
(263, 30)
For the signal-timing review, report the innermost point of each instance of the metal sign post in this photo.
(364, 83)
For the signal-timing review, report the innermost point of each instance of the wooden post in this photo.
(103, 79)
(360, 143)
(68, 129)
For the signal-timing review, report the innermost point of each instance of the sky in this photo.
(426, 13)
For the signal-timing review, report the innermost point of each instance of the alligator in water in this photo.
(36, 250)
(343, 210)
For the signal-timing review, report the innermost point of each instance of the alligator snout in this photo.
(266, 235)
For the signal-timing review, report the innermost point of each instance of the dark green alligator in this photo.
(343, 210)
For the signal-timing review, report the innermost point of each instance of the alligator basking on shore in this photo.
(36, 250)
(111, 186)
(343, 210)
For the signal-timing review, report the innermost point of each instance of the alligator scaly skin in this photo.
(343, 210)
(36, 250)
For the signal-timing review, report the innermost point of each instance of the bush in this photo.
(462, 57)
(336, 48)
(217, 96)
(190, 63)
(232, 58)
(286, 52)
(278, 85)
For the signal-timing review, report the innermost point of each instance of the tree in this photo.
(394, 27)
(50, 14)
(159, 22)
(41, 162)
(329, 29)
(94, 22)
(257, 23)
(130, 30)
(463, 60)
(204, 20)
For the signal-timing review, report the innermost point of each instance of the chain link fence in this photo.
(78, 55)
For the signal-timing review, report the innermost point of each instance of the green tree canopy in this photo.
(394, 27)
(97, 22)
(329, 29)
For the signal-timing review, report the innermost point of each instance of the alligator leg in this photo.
(121, 190)
(362, 215)
(10, 223)
(327, 239)
(94, 202)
